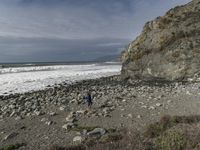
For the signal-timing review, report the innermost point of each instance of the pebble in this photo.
(18, 118)
(68, 126)
(158, 104)
(38, 113)
(78, 140)
(96, 132)
(152, 108)
(144, 106)
(62, 108)
(130, 115)
(52, 113)
(48, 123)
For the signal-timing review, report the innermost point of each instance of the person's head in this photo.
(88, 93)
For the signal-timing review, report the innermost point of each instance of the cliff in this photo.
(168, 47)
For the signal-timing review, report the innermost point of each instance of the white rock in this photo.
(48, 123)
(70, 119)
(12, 106)
(78, 139)
(73, 101)
(68, 126)
(130, 115)
(141, 103)
(38, 113)
(18, 118)
(152, 108)
(169, 101)
(188, 93)
(44, 119)
(52, 113)
(62, 108)
(123, 100)
(12, 114)
(144, 106)
(97, 131)
(158, 104)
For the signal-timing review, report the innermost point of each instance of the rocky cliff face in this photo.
(168, 47)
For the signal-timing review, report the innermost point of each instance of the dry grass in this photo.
(169, 133)
(166, 122)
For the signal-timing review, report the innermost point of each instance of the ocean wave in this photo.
(20, 80)
(42, 68)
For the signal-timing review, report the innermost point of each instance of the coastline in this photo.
(39, 117)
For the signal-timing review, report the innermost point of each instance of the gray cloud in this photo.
(43, 49)
(69, 29)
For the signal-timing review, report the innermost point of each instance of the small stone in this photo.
(106, 110)
(96, 132)
(12, 114)
(158, 104)
(141, 103)
(52, 113)
(12, 106)
(152, 108)
(130, 115)
(68, 126)
(48, 123)
(123, 100)
(188, 93)
(73, 101)
(144, 106)
(28, 114)
(84, 132)
(43, 119)
(81, 112)
(78, 139)
(38, 113)
(70, 119)
(62, 108)
(138, 116)
(169, 101)
(18, 118)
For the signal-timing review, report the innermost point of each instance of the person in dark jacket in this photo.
(88, 99)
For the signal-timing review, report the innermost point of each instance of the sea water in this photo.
(20, 78)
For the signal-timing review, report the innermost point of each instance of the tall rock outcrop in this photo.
(168, 47)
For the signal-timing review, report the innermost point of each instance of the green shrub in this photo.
(156, 129)
(110, 138)
(70, 147)
(171, 140)
(13, 146)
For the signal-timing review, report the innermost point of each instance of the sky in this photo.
(73, 30)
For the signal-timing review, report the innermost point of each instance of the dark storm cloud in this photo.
(53, 30)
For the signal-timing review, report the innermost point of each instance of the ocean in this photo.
(26, 77)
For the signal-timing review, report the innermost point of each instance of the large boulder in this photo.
(168, 47)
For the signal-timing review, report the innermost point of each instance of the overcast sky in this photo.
(67, 30)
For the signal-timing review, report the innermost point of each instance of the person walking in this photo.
(88, 99)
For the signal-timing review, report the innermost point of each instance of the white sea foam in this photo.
(24, 79)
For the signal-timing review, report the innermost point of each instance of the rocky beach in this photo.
(152, 105)
(43, 118)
